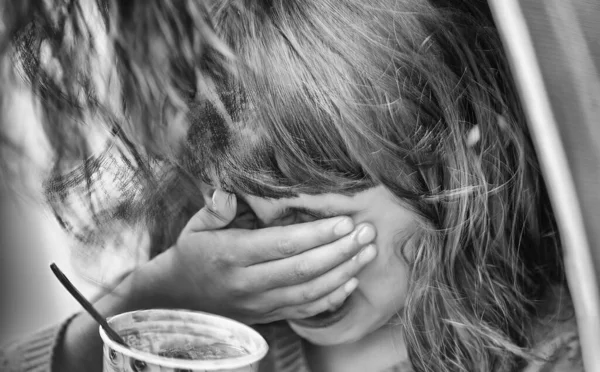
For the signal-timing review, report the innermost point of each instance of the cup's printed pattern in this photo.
(117, 362)
(148, 332)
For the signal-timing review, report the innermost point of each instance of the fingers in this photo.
(310, 264)
(217, 215)
(329, 302)
(322, 286)
(274, 243)
(310, 297)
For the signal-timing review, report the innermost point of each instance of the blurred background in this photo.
(31, 297)
(30, 237)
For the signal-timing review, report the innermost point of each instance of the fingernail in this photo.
(343, 227)
(350, 285)
(219, 198)
(215, 201)
(367, 254)
(365, 235)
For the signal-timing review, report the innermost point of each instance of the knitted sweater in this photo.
(33, 353)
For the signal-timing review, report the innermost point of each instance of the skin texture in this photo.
(383, 283)
(252, 275)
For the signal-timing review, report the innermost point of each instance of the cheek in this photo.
(394, 249)
(387, 274)
(384, 282)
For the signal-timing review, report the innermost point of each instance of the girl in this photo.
(401, 115)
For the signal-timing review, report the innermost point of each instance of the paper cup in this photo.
(179, 340)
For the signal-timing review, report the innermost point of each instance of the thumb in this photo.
(217, 215)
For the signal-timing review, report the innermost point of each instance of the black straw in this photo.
(87, 305)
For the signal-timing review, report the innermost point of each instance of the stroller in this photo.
(554, 48)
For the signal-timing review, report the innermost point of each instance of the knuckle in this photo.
(254, 308)
(239, 288)
(227, 260)
(222, 264)
(267, 309)
(286, 247)
(274, 315)
(302, 270)
(261, 310)
(345, 273)
(221, 251)
(308, 295)
(307, 311)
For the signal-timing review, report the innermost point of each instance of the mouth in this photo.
(326, 318)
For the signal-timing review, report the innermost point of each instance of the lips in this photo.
(326, 318)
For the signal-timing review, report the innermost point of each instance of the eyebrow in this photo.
(316, 213)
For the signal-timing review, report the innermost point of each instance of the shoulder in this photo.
(556, 339)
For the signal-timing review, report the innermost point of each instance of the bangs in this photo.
(250, 141)
(295, 118)
(312, 108)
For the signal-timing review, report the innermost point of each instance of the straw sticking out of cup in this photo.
(86, 305)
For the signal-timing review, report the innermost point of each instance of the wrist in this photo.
(148, 286)
(136, 292)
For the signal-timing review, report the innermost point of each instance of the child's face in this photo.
(383, 284)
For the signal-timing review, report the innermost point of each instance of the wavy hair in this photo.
(286, 97)
(416, 96)
(125, 72)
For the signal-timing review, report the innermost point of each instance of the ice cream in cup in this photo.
(180, 340)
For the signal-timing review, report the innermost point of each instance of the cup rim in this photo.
(212, 364)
